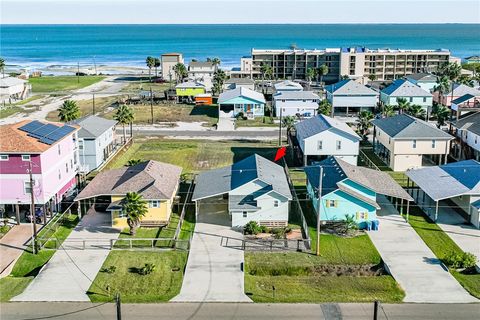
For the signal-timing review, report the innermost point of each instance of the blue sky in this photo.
(238, 11)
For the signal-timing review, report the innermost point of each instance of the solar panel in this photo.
(60, 133)
(46, 140)
(45, 130)
(31, 126)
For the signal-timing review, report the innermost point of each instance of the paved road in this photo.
(412, 263)
(61, 279)
(213, 272)
(12, 246)
(238, 311)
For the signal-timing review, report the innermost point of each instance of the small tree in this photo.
(416, 111)
(441, 113)
(218, 80)
(135, 207)
(133, 162)
(364, 123)
(180, 71)
(388, 110)
(124, 115)
(150, 61)
(309, 76)
(266, 71)
(322, 71)
(372, 77)
(156, 65)
(324, 107)
(402, 104)
(69, 111)
(288, 122)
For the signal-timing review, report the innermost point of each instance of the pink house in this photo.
(459, 90)
(51, 149)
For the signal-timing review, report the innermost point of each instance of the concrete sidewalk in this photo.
(12, 246)
(213, 272)
(412, 263)
(70, 272)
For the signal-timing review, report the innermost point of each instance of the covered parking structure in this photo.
(457, 185)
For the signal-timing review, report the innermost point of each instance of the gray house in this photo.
(96, 141)
(350, 96)
(253, 189)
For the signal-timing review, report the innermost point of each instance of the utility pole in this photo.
(95, 65)
(118, 302)
(93, 100)
(32, 210)
(78, 72)
(279, 128)
(320, 180)
(151, 103)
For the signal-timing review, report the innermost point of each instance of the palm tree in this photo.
(267, 72)
(322, 71)
(388, 110)
(150, 61)
(69, 111)
(135, 207)
(2, 66)
(442, 87)
(402, 104)
(309, 76)
(180, 71)
(466, 80)
(216, 62)
(441, 113)
(156, 65)
(364, 123)
(416, 111)
(133, 162)
(218, 80)
(288, 122)
(124, 115)
(324, 107)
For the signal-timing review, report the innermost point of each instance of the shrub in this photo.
(252, 227)
(263, 229)
(147, 269)
(350, 223)
(458, 260)
(110, 269)
(278, 233)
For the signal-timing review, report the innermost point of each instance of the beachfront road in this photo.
(237, 311)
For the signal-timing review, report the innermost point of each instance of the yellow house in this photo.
(157, 182)
(189, 90)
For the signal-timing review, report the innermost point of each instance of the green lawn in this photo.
(441, 245)
(316, 289)
(170, 112)
(86, 107)
(145, 85)
(194, 155)
(257, 122)
(161, 285)
(9, 110)
(52, 84)
(29, 264)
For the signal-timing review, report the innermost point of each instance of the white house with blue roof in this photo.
(458, 182)
(292, 103)
(348, 190)
(405, 89)
(253, 189)
(241, 100)
(322, 136)
(350, 96)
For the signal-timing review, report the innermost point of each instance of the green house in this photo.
(189, 90)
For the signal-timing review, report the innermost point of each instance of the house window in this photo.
(332, 203)
(433, 144)
(66, 167)
(361, 215)
(3, 157)
(80, 144)
(319, 145)
(389, 140)
(71, 163)
(339, 144)
(424, 99)
(59, 174)
(411, 99)
(154, 204)
(245, 214)
(25, 157)
(414, 144)
(27, 188)
(275, 203)
(59, 150)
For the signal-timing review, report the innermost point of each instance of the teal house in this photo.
(241, 101)
(348, 190)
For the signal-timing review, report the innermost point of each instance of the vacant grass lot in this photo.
(257, 122)
(194, 155)
(171, 112)
(441, 245)
(145, 85)
(52, 84)
(86, 107)
(161, 285)
(9, 110)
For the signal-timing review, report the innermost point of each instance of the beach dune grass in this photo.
(161, 285)
(53, 84)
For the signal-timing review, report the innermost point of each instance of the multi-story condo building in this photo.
(51, 151)
(383, 64)
(168, 61)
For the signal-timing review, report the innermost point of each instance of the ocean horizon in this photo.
(61, 45)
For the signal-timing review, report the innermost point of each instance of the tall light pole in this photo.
(320, 180)
(32, 209)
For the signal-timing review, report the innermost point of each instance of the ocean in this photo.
(38, 46)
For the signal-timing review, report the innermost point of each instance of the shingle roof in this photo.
(404, 126)
(200, 64)
(404, 88)
(463, 98)
(461, 89)
(14, 140)
(449, 180)
(241, 92)
(336, 170)
(288, 85)
(350, 87)
(310, 127)
(153, 180)
(296, 95)
(422, 77)
(470, 123)
(93, 126)
(222, 180)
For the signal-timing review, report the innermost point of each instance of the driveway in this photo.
(12, 246)
(412, 263)
(71, 271)
(213, 272)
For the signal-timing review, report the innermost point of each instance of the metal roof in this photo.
(422, 77)
(288, 85)
(449, 180)
(241, 92)
(405, 88)
(350, 87)
(190, 84)
(223, 180)
(200, 64)
(336, 170)
(93, 126)
(461, 89)
(470, 123)
(296, 95)
(403, 126)
(152, 179)
(240, 81)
